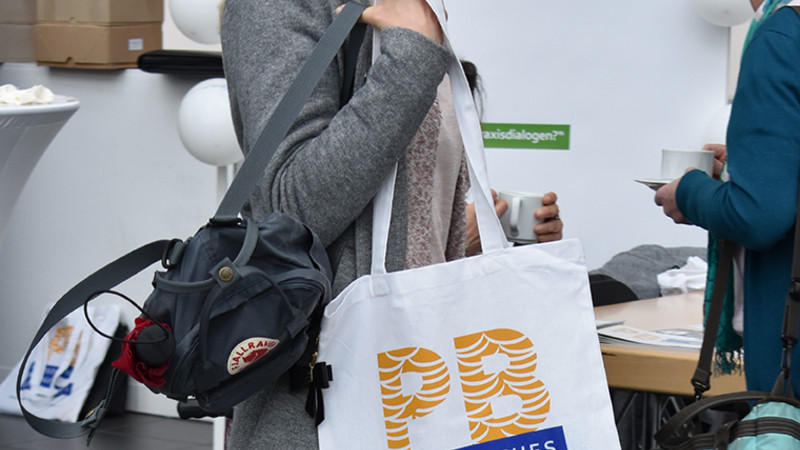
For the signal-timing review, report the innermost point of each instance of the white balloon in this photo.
(199, 20)
(725, 13)
(205, 125)
(717, 129)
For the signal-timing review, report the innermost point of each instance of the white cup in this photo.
(518, 220)
(674, 162)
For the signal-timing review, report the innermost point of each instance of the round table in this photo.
(25, 133)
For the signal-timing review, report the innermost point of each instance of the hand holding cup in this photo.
(520, 219)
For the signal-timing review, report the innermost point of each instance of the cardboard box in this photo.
(91, 46)
(18, 11)
(16, 42)
(100, 11)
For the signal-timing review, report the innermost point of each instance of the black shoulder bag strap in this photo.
(702, 374)
(791, 314)
(248, 176)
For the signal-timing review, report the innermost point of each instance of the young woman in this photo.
(331, 164)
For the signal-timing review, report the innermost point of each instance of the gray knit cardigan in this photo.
(331, 164)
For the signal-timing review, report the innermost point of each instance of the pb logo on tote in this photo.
(502, 396)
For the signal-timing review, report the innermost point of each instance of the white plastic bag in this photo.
(691, 277)
(62, 368)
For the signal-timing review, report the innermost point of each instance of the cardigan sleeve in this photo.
(332, 161)
(756, 208)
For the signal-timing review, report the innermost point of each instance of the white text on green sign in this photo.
(527, 136)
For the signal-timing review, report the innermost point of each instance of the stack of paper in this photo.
(623, 334)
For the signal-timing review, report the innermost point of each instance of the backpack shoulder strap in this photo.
(104, 279)
(287, 110)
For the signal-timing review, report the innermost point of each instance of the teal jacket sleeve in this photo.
(756, 208)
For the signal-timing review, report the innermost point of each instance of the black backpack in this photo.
(238, 302)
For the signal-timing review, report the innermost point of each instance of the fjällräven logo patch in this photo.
(248, 352)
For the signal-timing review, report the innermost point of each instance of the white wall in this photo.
(629, 80)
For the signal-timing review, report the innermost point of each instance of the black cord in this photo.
(166, 330)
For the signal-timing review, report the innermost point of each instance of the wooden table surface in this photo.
(658, 369)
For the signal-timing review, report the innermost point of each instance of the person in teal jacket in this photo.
(756, 207)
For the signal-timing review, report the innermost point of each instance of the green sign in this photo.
(525, 135)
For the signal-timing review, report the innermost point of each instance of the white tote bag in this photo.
(497, 351)
(501, 346)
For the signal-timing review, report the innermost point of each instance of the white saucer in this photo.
(654, 183)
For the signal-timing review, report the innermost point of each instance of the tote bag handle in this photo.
(491, 232)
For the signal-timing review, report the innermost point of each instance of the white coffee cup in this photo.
(674, 162)
(518, 220)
